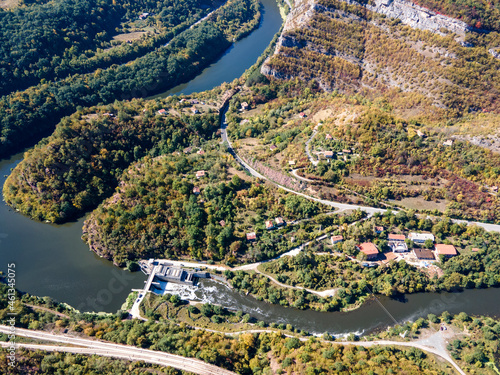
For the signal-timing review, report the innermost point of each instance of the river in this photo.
(52, 260)
(238, 58)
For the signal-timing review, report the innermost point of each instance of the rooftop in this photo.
(442, 249)
(368, 248)
(336, 239)
(251, 236)
(396, 237)
(421, 236)
(423, 254)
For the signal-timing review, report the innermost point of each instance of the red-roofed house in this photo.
(196, 190)
(336, 239)
(200, 174)
(369, 249)
(251, 236)
(162, 112)
(269, 224)
(222, 223)
(475, 249)
(446, 250)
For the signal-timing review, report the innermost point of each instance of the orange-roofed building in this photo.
(446, 250)
(336, 239)
(396, 237)
(251, 236)
(369, 249)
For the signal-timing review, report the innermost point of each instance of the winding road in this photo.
(253, 172)
(341, 206)
(308, 151)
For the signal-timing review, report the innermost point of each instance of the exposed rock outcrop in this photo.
(495, 52)
(416, 16)
(406, 11)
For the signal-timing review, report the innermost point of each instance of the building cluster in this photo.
(398, 244)
(278, 222)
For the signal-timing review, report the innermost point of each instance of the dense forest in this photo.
(27, 115)
(78, 166)
(157, 212)
(50, 41)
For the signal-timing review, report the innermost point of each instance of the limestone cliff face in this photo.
(406, 11)
(347, 46)
(299, 16)
(415, 16)
(495, 52)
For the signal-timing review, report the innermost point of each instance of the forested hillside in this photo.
(80, 164)
(49, 41)
(27, 115)
(366, 153)
(162, 209)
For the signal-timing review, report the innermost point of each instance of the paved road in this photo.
(308, 151)
(135, 311)
(340, 206)
(294, 172)
(124, 351)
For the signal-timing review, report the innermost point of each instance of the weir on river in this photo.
(53, 261)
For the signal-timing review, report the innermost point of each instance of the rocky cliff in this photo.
(347, 46)
(415, 16)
